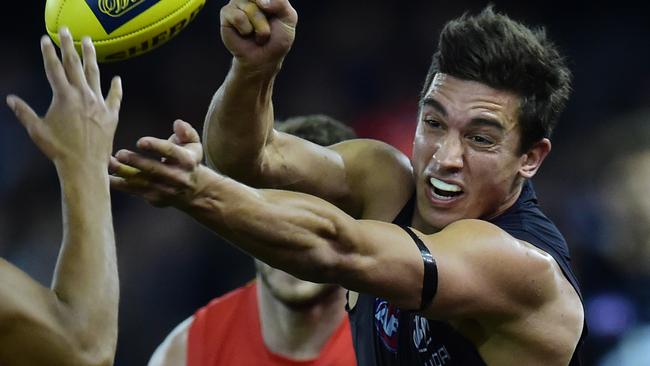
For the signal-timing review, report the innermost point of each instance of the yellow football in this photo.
(120, 29)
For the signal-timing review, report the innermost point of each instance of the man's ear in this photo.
(533, 158)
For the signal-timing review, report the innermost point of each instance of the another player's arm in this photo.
(173, 350)
(240, 118)
(34, 326)
(481, 269)
(75, 321)
(239, 138)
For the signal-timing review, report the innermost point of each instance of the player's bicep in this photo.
(351, 174)
(389, 263)
(337, 173)
(481, 270)
(173, 350)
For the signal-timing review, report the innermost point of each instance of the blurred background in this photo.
(362, 63)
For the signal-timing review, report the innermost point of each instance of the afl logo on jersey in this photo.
(387, 323)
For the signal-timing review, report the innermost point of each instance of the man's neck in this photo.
(299, 334)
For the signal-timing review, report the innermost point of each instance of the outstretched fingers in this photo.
(168, 150)
(114, 97)
(53, 68)
(25, 114)
(185, 132)
(91, 69)
(122, 170)
(151, 169)
(134, 186)
(71, 61)
(123, 185)
(152, 192)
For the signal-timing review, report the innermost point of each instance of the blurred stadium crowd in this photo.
(362, 63)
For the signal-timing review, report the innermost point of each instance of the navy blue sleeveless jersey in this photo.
(384, 335)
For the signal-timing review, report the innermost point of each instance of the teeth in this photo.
(444, 186)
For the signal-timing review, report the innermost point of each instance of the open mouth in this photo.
(443, 190)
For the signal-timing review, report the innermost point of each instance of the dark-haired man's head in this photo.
(504, 54)
(491, 98)
(318, 128)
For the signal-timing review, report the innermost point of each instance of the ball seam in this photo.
(58, 16)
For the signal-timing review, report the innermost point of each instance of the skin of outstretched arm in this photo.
(314, 240)
(75, 321)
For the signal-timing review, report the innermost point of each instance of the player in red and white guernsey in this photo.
(277, 319)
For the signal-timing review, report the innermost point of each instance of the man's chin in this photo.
(301, 300)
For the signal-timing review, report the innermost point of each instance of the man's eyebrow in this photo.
(487, 122)
(475, 122)
(435, 105)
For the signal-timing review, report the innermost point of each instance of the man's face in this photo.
(465, 152)
(289, 290)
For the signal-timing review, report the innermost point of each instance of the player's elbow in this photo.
(96, 343)
(90, 333)
(96, 351)
(243, 166)
(51, 337)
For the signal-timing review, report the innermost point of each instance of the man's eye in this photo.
(432, 123)
(480, 140)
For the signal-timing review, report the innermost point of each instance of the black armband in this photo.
(430, 278)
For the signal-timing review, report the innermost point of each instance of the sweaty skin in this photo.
(508, 297)
(468, 137)
(74, 322)
(297, 318)
(502, 305)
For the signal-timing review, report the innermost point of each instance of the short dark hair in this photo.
(497, 51)
(318, 128)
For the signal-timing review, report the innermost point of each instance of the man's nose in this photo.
(449, 155)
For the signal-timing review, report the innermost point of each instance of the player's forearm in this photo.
(281, 228)
(86, 279)
(76, 320)
(309, 237)
(239, 121)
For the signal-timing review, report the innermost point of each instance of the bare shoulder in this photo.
(173, 350)
(369, 153)
(512, 277)
(377, 169)
(520, 293)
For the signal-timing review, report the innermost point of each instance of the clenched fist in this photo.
(258, 33)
